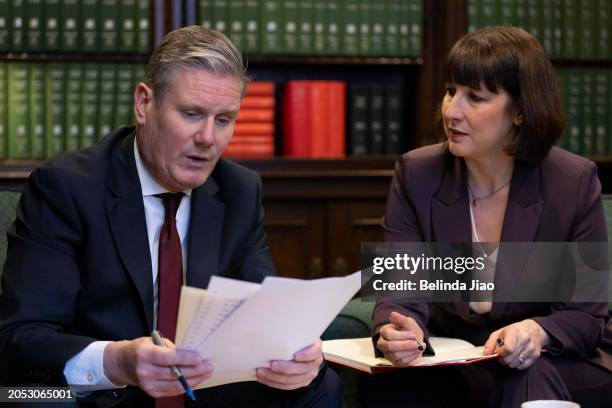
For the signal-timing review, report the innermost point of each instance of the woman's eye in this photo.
(450, 90)
(475, 97)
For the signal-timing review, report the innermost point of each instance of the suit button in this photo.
(115, 394)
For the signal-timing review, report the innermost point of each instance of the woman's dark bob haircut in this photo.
(511, 59)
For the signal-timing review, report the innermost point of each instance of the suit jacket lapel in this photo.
(521, 223)
(205, 234)
(125, 214)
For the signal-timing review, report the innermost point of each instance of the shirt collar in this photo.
(148, 184)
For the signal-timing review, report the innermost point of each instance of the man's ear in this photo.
(143, 101)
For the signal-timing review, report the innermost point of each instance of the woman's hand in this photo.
(401, 341)
(520, 343)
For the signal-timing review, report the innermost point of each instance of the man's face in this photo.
(181, 139)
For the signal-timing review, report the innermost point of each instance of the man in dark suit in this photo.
(96, 255)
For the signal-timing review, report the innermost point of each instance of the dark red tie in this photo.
(169, 280)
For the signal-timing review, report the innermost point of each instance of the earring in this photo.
(518, 121)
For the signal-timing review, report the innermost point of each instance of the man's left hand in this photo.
(293, 374)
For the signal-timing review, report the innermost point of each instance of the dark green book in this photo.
(18, 136)
(574, 90)
(236, 22)
(604, 40)
(124, 87)
(533, 18)
(520, 9)
(570, 35)
(377, 32)
(3, 108)
(392, 28)
(270, 21)
(587, 29)
(290, 26)
(332, 31)
(205, 12)
(319, 33)
(548, 27)
(557, 50)
(142, 29)
(377, 119)
(35, 20)
(393, 119)
(586, 113)
(416, 27)
(106, 99)
(365, 27)
(111, 26)
(51, 41)
(89, 23)
(18, 25)
(74, 75)
(5, 26)
(350, 27)
(127, 16)
(358, 119)
(37, 111)
(55, 115)
(601, 112)
(220, 14)
(69, 25)
(507, 12)
(405, 23)
(89, 105)
(474, 15)
(489, 11)
(252, 27)
(306, 29)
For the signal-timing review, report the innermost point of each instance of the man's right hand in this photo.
(399, 340)
(142, 363)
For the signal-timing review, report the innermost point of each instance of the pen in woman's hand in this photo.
(157, 340)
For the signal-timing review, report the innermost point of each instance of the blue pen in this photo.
(157, 340)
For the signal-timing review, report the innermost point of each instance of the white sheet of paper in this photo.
(282, 317)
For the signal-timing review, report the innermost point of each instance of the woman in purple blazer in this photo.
(496, 178)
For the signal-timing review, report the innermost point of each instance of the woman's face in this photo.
(478, 123)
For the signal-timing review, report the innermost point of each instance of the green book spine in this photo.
(37, 111)
(220, 14)
(365, 27)
(18, 25)
(520, 9)
(290, 27)
(404, 29)
(601, 112)
(305, 38)
(122, 115)
(416, 27)
(574, 135)
(3, 108)
(5, 26)
(587, 120)
(547, 36)
(271, 21)
(377, 33)
(55, 115)
(357, 125)
(557, 50)
(69, 28)
(332, 17)
(507, 12)
(106, 99)
(111, 26)
(587, 28)
(235, 19)
(252, 27)
(319, 33)
(393, 14)
(350, 32)
(127, 16)
(74, 73)
(34, 25)
(89, 105)
(205, 11)
(533, 18)
(473, 15)
(570, 35)
(51, 40)
(377, 119)
(489, 12)
(89, 21)
(18, 111)
(604, 50)
(142, 30)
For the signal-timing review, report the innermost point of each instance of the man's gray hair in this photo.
(193, 47)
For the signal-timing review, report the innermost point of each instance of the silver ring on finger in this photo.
(520, 358)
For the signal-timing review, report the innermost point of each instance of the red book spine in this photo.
(337, 119)
(258, 102)
(319, 113)
(252, 128)
(260, 88)
(296, 119)
(255, 115)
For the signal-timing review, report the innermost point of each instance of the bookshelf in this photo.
(318, 211)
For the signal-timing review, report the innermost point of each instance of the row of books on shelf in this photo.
(566, 28)
(586, 94)
(74, 26)
(391, 28)
(48, 108)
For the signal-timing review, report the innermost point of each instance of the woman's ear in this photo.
(518, 120)
(143, 100)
